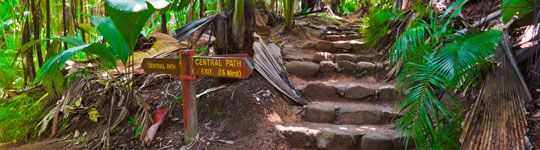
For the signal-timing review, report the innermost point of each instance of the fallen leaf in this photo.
(94, 114)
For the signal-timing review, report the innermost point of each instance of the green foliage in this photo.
(19, 116)
(509, 8)
(436, 58)
(375, 23)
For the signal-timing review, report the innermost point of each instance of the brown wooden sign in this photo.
(227, 67)
(161, 65)
(188, 67)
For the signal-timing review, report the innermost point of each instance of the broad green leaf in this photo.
(159, 4)
(511, 7)
(53, 65)
(112, 36)
(5, 11)
(129, 17)
(87, 28)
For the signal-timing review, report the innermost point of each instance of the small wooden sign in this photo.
(161, 65)
(227, 67)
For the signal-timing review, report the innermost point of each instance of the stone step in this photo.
(326, 63)
(346, 88)
(349, 113)
(341, 137)
(338, 45)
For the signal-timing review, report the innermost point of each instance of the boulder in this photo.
(346, 57)
(342, 45)
(359, 117)
(320, 113)
(335, 37)
(337, 139)
(365, 66)
(358, 92)
(376, 141)
(388, 93)
(321, 56)
(328, 67)
(319, 91)
(324, 45)
(302, 68)
(309, 44)
(346, 66)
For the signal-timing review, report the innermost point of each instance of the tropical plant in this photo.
(375, 23)
(121, 31)
(436, 58)
(509, 8)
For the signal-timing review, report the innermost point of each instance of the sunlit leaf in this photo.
(93, 114)
(129, 17)
(111, 34)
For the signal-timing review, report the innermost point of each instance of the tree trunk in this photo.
(190, 11)
(64, 21)
(249, 24)
(30, 70)
(238, 23)
(81, 19)
(288, 8)
(36, 17)
(164, 23)
(48, 23)
(202, 8)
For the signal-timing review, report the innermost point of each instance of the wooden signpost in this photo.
(188, 67)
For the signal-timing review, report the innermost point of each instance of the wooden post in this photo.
(188, 96)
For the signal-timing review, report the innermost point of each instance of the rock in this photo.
(380, 66)
(399, 142)
(324, 45)
(321, 56)
(359, 117)
(334, 139)
(342, 45)
(336, 37)
(388, 93)
(358, 92)
(331, 28)
(328, 67)
(365, 66)
(296, 139)
(319, 91)
(298, 57)
(376, 141)
(365, 57)
(320, 113)
(357, 45)
(345, 57)
(346, 66)
(302, 68)
(309, 44)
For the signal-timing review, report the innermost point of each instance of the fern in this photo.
(435, 58)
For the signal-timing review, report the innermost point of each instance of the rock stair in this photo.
(346, 111)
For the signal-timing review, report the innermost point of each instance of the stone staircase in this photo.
(348, 108)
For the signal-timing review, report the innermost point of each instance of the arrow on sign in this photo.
(162, 65)
(228, 67)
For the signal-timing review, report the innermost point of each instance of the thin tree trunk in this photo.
(30, 69)
(202, 8)
(164, 23)
(48, 23)
(249, 24)
(37, 29)
(64, 21)
(190, 11)
(81, 19)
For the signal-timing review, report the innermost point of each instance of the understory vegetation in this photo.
(430, 57)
